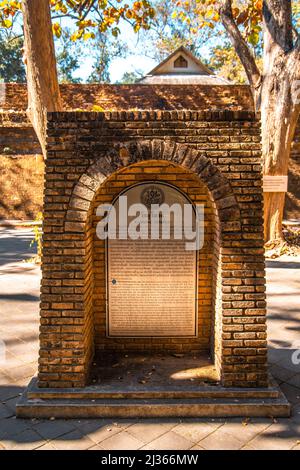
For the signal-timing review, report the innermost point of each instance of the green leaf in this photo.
(254, 39)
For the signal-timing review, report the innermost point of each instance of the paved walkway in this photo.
(19, 296)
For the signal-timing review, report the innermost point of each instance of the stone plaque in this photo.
(151, 284)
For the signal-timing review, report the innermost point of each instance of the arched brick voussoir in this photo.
(82, 196)
(189, 156)
(127, 153)
(218, 185)
(144, 150)
(110, 163)
(97, 172)
(92, 181)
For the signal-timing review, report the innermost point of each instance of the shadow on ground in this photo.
(19, 294)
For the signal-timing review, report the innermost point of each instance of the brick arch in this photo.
(130, 153)
(68, 298)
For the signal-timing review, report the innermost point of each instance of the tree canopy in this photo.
(169, 24)
(12, 68)
(88, 16)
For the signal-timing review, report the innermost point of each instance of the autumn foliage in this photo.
(89, 16)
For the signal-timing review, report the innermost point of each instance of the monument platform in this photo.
(140, 386)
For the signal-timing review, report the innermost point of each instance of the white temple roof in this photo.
(182, 67)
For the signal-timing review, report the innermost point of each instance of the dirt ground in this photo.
(21, 186)
(292, 200)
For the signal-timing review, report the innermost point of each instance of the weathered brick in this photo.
(221, 155)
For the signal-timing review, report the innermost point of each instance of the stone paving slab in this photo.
(121, 441)
(149, 432)
(195, 431)
(221, 440)
(170, 441)
(19, 297)
(74, 440)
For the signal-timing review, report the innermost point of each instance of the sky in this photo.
(119, 66)
(135, 59)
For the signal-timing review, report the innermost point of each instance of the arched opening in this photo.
(176, 336)
(229, 285)
(151, 274)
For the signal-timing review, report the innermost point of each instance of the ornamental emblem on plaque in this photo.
(152, 195)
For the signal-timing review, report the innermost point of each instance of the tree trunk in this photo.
(273, 93)
(241, 48)
(278, 127)
(42, 81)
(279, 110)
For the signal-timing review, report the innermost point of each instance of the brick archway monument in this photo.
(91, 158)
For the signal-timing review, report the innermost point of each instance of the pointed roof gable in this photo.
(182, 67)
(194, 65)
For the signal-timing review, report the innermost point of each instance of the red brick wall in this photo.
(84, 149)
(139, 96)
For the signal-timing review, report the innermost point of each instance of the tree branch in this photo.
(240, 45)
(89, 7)
(277, 16)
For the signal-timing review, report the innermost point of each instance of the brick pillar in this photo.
(223, 150)
(66, 343)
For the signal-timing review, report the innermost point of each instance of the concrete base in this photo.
(205, 401)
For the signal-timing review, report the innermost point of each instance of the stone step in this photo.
(99, 393)
(146, 394)
(205, 401)
(151, 408)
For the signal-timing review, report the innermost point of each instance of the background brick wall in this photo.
(138, 96)
(21, 183)
(223, 148)
(17, 137)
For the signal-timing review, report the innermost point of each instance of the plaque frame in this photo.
(196, 332)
